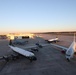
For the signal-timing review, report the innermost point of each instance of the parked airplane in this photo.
(52, 40)
(68, 51)
(23, 52)
(26, 53)
(19, 51)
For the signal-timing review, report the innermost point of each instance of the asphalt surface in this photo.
(50, 61)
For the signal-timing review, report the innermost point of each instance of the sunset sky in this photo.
(37, 15)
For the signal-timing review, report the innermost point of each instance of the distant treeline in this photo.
(60, 33)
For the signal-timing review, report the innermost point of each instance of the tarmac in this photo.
(50, 60)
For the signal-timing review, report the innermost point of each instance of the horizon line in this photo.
(4, 33)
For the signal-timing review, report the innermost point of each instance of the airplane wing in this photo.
(35, 46)
(28, 47)
(44, 45)
(64, 48)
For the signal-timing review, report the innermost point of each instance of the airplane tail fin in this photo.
(71, 49)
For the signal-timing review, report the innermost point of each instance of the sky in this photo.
(37, 15)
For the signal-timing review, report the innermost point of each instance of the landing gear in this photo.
(32, 58)
(68, 59)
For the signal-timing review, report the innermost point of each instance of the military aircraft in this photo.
(53, 40)
(19, 51)
(23, 52)
(69, 52)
